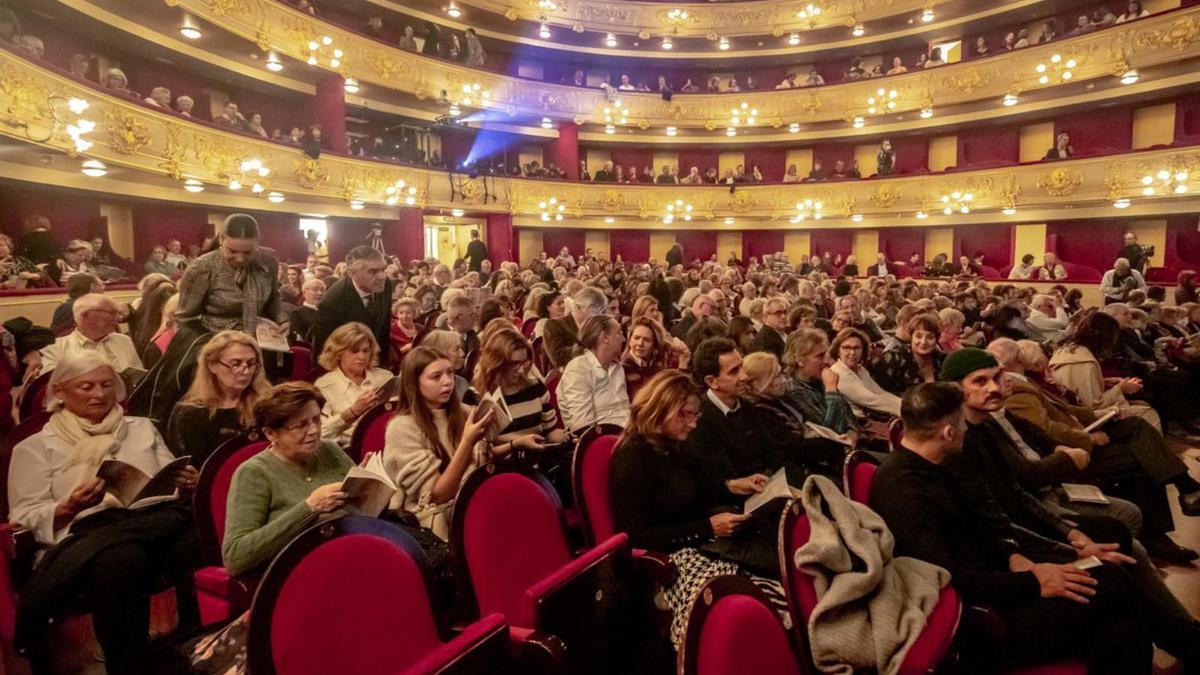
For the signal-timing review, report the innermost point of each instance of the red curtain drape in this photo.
(499, 238)
(155, 224)
(899, 243)
(834, 241)
(701, 158)
(830, 153)
(1183, 242)
(757, 243)
(1095, 243)
(988, 146)
(1100, 131)
(631, 245)
(406, 235)
(697, 244)
(553, 241)
(71, 213)
(771, 160)
(635, 157)
(912, 154)
(564, 150)
(994, 240)
(1187, 118)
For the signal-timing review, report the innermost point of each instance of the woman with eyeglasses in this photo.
(220, 403)
(352, 385)
(281, 491)
(849, 353)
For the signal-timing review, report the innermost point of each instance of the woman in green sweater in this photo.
(281, 491)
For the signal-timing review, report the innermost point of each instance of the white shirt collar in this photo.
(725, 410)
(85, 340)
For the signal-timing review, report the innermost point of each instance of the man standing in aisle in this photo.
(477, 252)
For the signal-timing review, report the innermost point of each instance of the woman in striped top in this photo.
(505, 363)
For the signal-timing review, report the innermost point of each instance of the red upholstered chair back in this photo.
(858, 472)
(372, 428)
(552, 379)
(733, 630)
(301, 361)
(212, 489)
(508, 534)
(794, 531)
(25, 429)
(591, 479)
(34, 398)
(895, 433)
(349, 596)
(528, 326)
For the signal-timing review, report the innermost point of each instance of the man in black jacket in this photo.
(477, 252)
(770, 337)
(1050, 609)
(364, 295)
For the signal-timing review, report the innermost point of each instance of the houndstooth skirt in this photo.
(695, 569)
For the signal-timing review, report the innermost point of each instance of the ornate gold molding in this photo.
(164, 145)
(1167, 38)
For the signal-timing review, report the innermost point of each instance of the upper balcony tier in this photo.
(152, 152)
(1081, 70)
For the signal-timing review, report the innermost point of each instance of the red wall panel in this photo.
(988, 146)
(1095, 243)
(994, 240)
(553, 241)
(834, 241)
(898, 243)
(697, 244)
(1183, 242)
(631, 245)
(156, 224)
(771, 161)
(499, 238)
(1099, 131)
(757, 243)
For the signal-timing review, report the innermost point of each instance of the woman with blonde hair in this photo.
(450, 344)
(661, 500)
(352, 385)
(647, 306)
(96, 554)
(219, 405)
(434, 441)
(645, 353)
(404, 330)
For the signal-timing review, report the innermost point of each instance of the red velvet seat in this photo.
(301, 361)
(552, 378)
(733, 630)
(541, 359)
(352, 596)
(528, 326)
(221, 596)
(895, 432)
(857, 473)
(33, 399)
(369, 435)
(510, 543)
(1080, 273)
(926, 652)
(16, 544)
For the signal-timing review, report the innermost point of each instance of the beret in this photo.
(965, 361)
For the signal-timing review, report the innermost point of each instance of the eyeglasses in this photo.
(303, 425)
(242, 366)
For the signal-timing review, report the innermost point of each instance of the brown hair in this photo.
(925, 322)
(284, 402)
(493, 358)
(849, 334)
(662, 395)
(412, 403)
(801, 344)
(659, 353)
(594, 327)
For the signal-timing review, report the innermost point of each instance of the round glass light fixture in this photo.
(926, 113)
(453, 11)
(357, 204)
(1010, 211)
(273, 63)
(547, 123)
(189, 29)
(671, 131)
(609, 220)
(921, 215)
(275, 197)
(193, 185)
(544, 32)
(794, 128)
(859, 30)
(93, 168)
(351, 85)
(730, 132)
(1122, 203)
(610, 129)
(859, 122)
(856, 217)
(1011, 99)
(927, 15)
(457, 213)
(610, 41)
(666, 42)
(722, 44)
(1129, 76)
(794, 39)
(455, 111)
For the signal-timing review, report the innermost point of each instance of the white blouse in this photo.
(861, 390)
(39, 480)
(340, 393)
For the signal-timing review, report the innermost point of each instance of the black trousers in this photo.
(1136, 465)
(110, 566)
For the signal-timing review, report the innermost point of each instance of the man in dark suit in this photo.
(770, 337)
(477, 252)
(364, 295)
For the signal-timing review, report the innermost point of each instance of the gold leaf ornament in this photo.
(127, 133)
(885, 196)
(1060, 182)
(1178, 36)
(309, 172)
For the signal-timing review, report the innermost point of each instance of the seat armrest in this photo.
(482, 645)
(20, 549)
(655, 566)
(984, 621)
(536, 651)
(560, 577)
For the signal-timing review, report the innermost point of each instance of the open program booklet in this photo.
(494, 401)
(270, 336)
(777, 488)
(1087, 494)
(133, 488)
(368, 487)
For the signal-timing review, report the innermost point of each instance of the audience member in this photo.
(592, 388)
(853, 380)
(363, 296)
(353, 384)
(96, 320)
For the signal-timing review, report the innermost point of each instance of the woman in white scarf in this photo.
(94, 547)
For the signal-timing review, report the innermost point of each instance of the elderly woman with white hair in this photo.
(95, 548)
